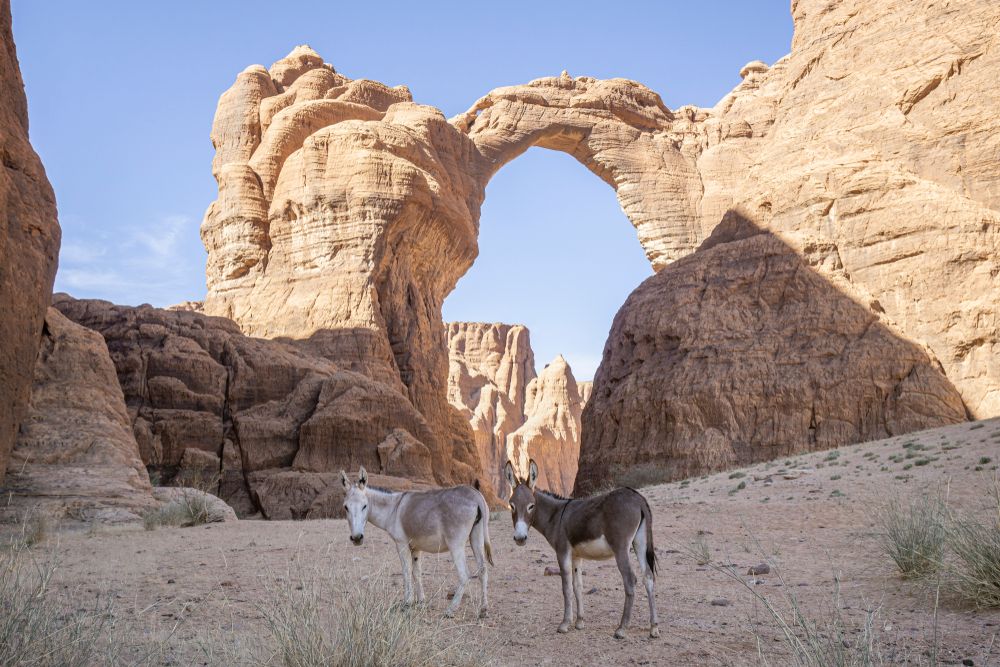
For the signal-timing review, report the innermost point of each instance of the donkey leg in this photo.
(566, 571)
(639, 546)
(458, 555)
(404, 558)
(418, 576)
(479, 551)
(578, 590)
(628, 580)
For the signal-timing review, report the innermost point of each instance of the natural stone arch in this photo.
(621, 131)
(347, 213)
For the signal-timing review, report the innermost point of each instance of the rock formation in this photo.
(347, 212)
(514, 414)
(75, 455)
(759, 357)
(29, 242)
(551, 432)
(203, 398)
(490, 366)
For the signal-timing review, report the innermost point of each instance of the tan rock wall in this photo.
(75, 455)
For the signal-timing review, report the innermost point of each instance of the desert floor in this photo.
(816, 528)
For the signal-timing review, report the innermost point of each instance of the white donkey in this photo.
(424, 522)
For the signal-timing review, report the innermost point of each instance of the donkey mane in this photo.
(550, 494)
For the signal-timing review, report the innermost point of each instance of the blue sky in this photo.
(121, 96)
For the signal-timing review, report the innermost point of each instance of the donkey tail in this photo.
(647, 517)
(487, 547)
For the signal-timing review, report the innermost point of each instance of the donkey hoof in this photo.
(620, 633)
(449, 613)
(654, 632)
(580, 625)
(563, 629)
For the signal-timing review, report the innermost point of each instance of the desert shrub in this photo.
(35, 529)
(192, 508)
(39, 629)
(973, 538)
(699, 550)
(912, 533)
(315, 618)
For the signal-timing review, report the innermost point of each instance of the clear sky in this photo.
(121, 96)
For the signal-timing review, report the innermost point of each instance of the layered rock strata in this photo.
(204, 398)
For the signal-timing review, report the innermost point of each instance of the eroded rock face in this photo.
(515, 414)
(490, 367)
(75, 455)
(742, 352)
(551, 432)
(879, 170)
(200, 393)
(29, 243)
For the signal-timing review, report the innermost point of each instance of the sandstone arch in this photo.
(346, 215)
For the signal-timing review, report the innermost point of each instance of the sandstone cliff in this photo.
(879, 173)
(490, 366)
(514, 414)
(347, 212)
(29, 243)
(551, 432)
(254, 414)
(760, 358)
(75, 456)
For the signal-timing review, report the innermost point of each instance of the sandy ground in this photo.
(816, 528)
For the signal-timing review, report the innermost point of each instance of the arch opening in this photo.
(528, 321)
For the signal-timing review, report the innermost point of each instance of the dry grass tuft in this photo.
(912, 533)
(37, 628)
(973, 538)
(191, 509)
(321, 618)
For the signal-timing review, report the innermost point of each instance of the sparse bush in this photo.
(37, 628)
(974, 540)
(912, 533)
(737, 475)
(804, 641)
(317, 618)
(191, 509)
(700, 551)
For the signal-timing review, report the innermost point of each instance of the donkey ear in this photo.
(532, 474)
(362, 478)
(343, 480)
(508, 474)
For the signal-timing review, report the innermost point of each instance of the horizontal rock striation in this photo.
(203, 397)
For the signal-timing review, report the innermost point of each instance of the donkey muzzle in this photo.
(520, 541)
(357, 539)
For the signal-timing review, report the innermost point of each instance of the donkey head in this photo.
(356, 504)
(522, 500)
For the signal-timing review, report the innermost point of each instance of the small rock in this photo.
(721, 602)
(968, 662)
(552, 571)
(171, 581)
(592, 591)
(763, 568)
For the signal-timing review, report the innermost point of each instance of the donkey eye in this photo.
(531, 507)
(364, 508)
(345, 508)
